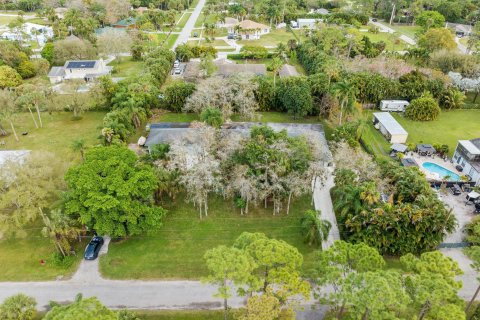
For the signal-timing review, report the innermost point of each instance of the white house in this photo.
(31, 32)
(308, 23)
(79, 69)
(249, 30)
(389, 127)
(467, 155)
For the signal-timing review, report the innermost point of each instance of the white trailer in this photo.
(393, 105)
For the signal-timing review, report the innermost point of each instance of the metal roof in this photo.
(470, 146)
(81, 64)
(57, 72)
(389, 123)
(399, 147)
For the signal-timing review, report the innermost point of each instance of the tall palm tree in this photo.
(345, 92)
(275, 65)
(61, 229)
(314, 229)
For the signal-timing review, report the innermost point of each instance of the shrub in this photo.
(472, 230)
(254, 52)
(175, 95)
(26, 69)
(9, 77)
(452, 99)
(212, 117)
(423, 109)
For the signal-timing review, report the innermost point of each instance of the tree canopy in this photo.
(112, 193)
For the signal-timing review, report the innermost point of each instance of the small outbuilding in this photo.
(389, 127)
(425, 149)
(399, 147)
(409, 162)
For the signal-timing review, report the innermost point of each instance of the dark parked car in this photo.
(456, 190)
(93, 248)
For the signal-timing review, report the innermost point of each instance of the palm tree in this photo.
(61, 229)
(275, 65)
(79, 145)
(345, 92)
(314, 229)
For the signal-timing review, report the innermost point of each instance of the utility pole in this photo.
(393, 14)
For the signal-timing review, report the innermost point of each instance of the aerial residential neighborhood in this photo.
(243, 160)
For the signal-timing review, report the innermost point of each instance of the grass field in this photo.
(201, 20)
(183, 20)
(5, 20)
(270, 39)
(181, 315)
(375, 141)
(393, 43)
(57, 134)
(214, 43)
(450, 127)
(21, 259)
(409, 31)
(126, 67)
(262, 117)
(176, 250)
(162, 38)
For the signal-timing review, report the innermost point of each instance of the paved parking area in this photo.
(463, 212)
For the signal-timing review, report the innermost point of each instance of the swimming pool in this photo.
(441, 171)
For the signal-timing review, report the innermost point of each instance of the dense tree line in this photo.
(409, 219)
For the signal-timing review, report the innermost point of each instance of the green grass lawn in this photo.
(280, 117)
(271, 39)
(393, 43)
(184, 20)
(375, 141)
(214, 43)
(5, 20)
(409, 31)
(40, 21)
(57, 134)
(21, 259)
(126, 67)
(176, 250)
(180, 315)
(450, 127)
(162, 38)
(202, 20)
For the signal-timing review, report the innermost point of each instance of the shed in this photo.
(399, 147)
(389, 127)
(425, 149)
(409, 162)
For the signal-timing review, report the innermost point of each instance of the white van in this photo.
(393, 105)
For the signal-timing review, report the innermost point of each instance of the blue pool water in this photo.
(433, 167)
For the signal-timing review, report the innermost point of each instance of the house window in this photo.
(266, 30)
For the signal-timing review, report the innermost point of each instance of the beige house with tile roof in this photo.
(249, 30)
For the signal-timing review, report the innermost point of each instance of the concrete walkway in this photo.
(187, 30)
(461, 47)
(323, 203)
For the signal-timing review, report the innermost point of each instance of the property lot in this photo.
(176, 250)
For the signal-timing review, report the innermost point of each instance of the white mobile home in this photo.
(389, 127)
(467, 155)
(393, 105)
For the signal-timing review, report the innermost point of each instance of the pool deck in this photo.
(433, 159)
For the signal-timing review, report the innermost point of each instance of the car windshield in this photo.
(91, 248)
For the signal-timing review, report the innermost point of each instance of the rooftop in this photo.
(57, 72)
(389, 122)
(80, 64)
(12, 155)
(472, 146)
(251, 25)
(288, 71)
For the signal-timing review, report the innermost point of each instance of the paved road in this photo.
(323, 203)
(461, 47)
(187, 30)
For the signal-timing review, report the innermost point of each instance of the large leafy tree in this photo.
(228, 265)
(295, 96)
(437, 39)
(27, 188)
(277, 266)
(81, 309)
(430, 19)
(112, 193)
